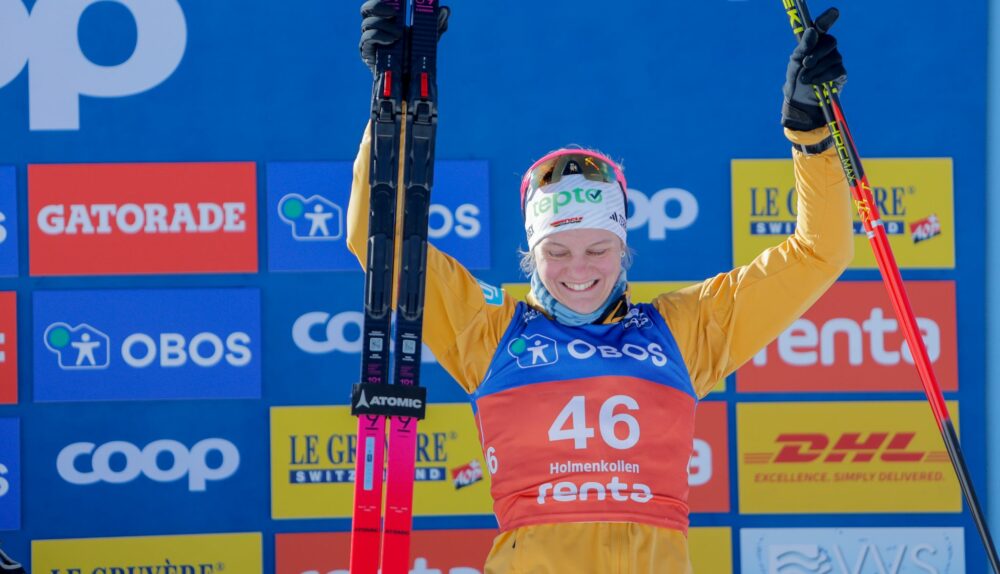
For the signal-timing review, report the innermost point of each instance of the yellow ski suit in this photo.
(717, 325)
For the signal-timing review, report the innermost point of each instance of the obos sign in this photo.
(307, 214)
(131, 219)
(138, 345)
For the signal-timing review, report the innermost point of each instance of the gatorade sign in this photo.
(141, 219)
(850, 340)
(59, 73)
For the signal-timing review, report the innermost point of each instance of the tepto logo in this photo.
(555, 201)
(312, 219)
(533, 351)
(47, 41)
(847, 447)
(80, 347)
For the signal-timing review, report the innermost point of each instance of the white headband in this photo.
(574, 202)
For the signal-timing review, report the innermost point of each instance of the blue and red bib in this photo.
(587, 424)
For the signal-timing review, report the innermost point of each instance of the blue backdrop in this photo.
(676, 89)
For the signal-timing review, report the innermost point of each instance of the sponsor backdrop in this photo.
(180, 317)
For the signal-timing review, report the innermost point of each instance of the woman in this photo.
(586, 400)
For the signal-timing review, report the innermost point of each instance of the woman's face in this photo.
(580, 267)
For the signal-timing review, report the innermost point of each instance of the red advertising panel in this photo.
(8, 347)
(150, 218)
(708, 471)
(443, 551)
(850, 340)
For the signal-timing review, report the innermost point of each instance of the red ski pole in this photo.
(850, 160)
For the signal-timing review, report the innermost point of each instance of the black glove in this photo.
(379, 27)
(815, 60)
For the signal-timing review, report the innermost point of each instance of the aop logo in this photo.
(312, 219)
(670, 209)
(193, 463)
(47, 41)
(85, 347)
(319, 333)
(533, 351)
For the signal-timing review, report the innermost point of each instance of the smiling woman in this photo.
(571, 494)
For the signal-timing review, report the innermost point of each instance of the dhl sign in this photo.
(843, 458)
(846, 447)
(850, 340)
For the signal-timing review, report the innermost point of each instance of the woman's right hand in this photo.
(380, 27)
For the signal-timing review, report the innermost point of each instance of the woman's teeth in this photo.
(580, 286)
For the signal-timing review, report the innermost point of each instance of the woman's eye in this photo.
(557, 254)
(598, 253)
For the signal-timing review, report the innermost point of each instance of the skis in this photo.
(850, 159)
(407, 68)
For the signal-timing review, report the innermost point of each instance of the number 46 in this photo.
(575, 414)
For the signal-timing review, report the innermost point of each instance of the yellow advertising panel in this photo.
(312, 463)
(841, 457)
(914, 197)
(711, 549)
(202, 554)
(641, 292)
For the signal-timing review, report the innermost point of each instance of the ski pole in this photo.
(850, 160)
